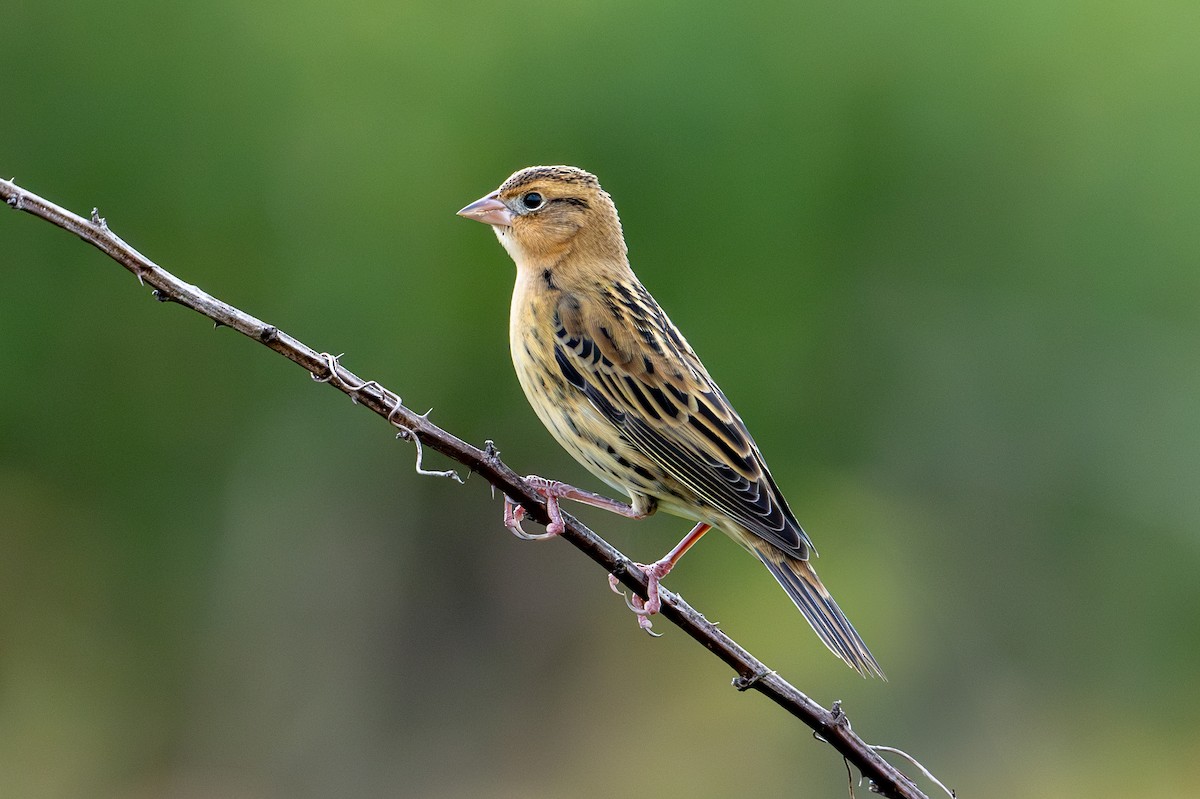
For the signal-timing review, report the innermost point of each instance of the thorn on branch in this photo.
(491, 456)
(837, 719)
(837, 716)
(98, 220)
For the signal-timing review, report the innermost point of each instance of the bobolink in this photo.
(619, 388)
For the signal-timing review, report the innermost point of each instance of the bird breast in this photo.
(571, 419)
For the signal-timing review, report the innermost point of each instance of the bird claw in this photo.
(637, 605)
(632, 601)
(551, 490)
(513, 514)
(524, 536)
(644, 608)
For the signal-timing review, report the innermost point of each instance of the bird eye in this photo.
(533, 201)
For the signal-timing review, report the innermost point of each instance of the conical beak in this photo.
(489, 211)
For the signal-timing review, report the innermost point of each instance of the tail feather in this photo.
(828, 622)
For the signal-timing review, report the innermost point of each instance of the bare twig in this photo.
(830, 726)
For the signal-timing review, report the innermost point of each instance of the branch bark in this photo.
(829, 725)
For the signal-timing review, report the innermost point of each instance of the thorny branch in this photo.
(830, 726)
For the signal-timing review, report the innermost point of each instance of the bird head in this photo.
(542, 213)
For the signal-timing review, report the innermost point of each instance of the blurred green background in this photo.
(942, 257)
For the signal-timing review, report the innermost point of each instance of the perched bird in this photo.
(619, 388)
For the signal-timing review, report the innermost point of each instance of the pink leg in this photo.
(553, 491)
(654, 574)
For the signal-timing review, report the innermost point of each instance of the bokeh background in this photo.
(942, 256)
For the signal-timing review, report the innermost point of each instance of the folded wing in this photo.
(638, 372)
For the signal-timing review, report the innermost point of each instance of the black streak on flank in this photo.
(644, 473)
(548, 276)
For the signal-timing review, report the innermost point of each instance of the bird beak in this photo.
(489, 211)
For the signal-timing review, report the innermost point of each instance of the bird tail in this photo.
(830, 624)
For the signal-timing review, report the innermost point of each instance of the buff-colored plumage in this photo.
(619, 388)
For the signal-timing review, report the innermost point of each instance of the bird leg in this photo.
(552, 491)
(645, 608)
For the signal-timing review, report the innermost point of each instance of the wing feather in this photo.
(637, 371)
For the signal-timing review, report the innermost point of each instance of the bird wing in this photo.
(636, 370)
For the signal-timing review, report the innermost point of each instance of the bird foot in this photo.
(551, 491)
(645, 608)
(513, 514)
